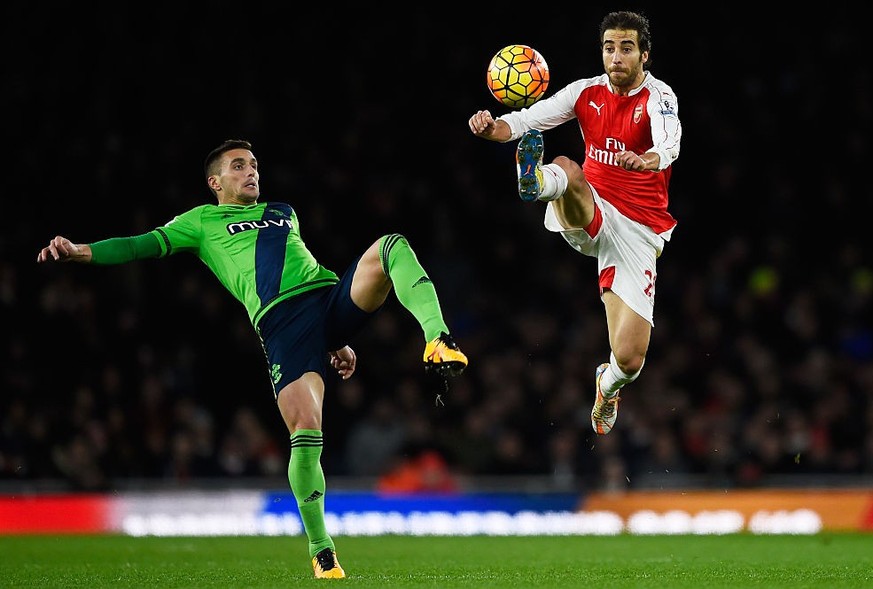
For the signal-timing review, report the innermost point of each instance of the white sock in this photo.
(554, 182)
(614, 378)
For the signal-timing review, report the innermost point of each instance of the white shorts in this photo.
(626, 253)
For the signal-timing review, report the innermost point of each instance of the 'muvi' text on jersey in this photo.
(646, 120)
(255, 251)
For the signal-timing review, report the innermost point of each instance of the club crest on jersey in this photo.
(241, 226)
(277, 211)
(638, 113)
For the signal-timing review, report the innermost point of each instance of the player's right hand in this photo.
(61, 249)
(482, 124)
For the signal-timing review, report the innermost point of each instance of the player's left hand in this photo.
(344, 361)
(630, 161)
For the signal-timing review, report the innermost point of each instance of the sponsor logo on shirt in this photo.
(242, 226)
(607, 156)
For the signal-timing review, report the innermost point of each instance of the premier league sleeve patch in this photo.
(667, 107)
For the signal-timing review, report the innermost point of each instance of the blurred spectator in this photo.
(375, 440)
(425, 471)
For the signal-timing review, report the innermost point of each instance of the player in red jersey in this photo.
(614, 206)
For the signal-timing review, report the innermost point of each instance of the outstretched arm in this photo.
(116, 250)
(61, 249)
(483, 125)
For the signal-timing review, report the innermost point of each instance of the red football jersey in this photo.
(645, 120)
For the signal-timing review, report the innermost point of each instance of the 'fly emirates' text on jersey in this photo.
(646, 120)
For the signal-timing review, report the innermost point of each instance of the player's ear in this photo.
(213, 183)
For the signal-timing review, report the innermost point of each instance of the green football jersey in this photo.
(256, 251)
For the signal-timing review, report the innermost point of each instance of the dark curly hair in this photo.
(625, 20)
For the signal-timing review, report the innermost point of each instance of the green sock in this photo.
(414, 289)
(307, 483)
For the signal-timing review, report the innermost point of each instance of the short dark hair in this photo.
(214, 156)
(625, 20)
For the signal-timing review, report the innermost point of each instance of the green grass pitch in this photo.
(830, 560)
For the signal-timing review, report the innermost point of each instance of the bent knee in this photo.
(630, 362)
(389, 239)
(571, 168)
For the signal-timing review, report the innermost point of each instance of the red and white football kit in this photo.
(631, 222)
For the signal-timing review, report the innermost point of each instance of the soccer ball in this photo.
(517, 76)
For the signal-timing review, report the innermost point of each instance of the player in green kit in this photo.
(303, 313)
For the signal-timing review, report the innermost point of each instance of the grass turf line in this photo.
(738, 560)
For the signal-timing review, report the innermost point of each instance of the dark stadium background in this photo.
(759, 371)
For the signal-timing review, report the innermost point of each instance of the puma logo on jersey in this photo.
(596, 107)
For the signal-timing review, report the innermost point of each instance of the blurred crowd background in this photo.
(760, 365)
